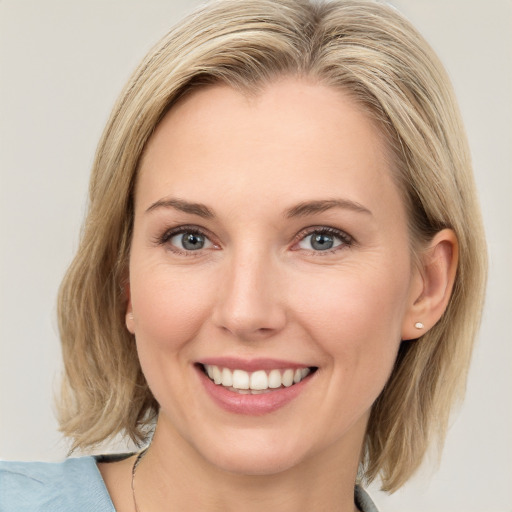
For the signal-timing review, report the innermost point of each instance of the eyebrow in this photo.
(184, 206)
(300, 210)
(312, 207)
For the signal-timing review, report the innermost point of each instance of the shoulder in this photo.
(74, 484)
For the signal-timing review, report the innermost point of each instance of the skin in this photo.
(258, 288)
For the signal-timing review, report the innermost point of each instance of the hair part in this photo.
(365, 49)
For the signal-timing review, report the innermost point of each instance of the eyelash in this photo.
(346, 239)
(170, 233)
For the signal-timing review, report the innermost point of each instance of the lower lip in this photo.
(253, 405)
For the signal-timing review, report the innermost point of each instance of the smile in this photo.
(257, 382)
(253, 387)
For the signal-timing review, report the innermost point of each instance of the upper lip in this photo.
(252, 365)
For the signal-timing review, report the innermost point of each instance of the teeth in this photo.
(274, 379)
(288, 378)
(240, 379)
(227, 377)
(255, 382)
(217, 375)
(259, 380)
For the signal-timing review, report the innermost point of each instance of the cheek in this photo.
(168, 312)
(168, 308)
(357, 320)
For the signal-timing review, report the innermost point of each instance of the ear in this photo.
(432, 285)
(130, 322)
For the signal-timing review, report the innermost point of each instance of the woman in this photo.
(281, 271)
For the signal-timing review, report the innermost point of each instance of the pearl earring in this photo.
(419, 325)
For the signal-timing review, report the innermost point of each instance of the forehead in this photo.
(287, 100)
(294, 136)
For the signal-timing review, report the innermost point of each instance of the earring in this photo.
(419, 325)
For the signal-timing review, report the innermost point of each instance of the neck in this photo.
(172, 475)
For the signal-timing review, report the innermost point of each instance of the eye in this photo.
(185, 240)
(190, 241)
(324, 239)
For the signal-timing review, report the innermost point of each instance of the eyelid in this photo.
(178, 239)
(169, 233)
(347, 240)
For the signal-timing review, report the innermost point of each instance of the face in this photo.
(270, 250)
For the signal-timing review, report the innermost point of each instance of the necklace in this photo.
(143, 452)
(134, 469)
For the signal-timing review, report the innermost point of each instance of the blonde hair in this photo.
(363, 47)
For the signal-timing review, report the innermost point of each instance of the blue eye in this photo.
(324, 240)
(190, 241)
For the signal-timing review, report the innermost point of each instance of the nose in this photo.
(250, 301)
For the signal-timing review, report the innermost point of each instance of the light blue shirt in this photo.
(74, 485)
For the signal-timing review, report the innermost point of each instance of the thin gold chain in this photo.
(134, 469)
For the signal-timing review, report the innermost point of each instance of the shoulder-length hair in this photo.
(361, 47)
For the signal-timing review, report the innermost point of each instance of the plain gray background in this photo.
(62, 64)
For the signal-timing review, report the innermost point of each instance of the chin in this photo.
(260, 465)
(253, 457)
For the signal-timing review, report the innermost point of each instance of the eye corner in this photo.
(329, 240)
(174, 240)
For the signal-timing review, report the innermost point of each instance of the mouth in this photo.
(256, 382)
